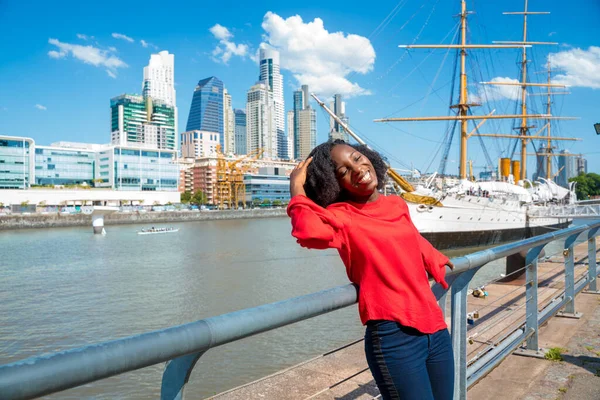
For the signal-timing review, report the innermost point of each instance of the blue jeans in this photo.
(408, 364)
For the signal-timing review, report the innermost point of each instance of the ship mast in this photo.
(464, 107)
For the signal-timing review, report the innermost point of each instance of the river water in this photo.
(64, 288)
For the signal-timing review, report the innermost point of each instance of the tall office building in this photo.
(581, 164)
(159, 78)
(240, 131)
(206, 111)
(540, 163)
(228, 124)
(270, 75)
(566, 168)
(339, 109)
(305, 124)
(261, 130)
(290, 135)
(142, 122)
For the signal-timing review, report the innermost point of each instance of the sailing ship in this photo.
(482, 213)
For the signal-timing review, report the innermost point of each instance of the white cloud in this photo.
(88, 54)
(317, 57)
(226, 48)
(144, 43)
(111, 74)
(41, 107)
(497, 92)
(82, 36)
(113, 49)
(578, 67)
(122, 37)
(220, 32)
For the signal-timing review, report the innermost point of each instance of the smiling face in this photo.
(355, 173)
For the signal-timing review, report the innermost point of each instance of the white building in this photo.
(304, 122)
(228, 124)
(290, 135)
(159, 78)
(261, 132)
(270, 74)
(196, 144)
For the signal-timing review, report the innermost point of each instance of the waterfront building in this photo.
(16, 162)
(135, 168)
(142, 122)
(228, 124)
(261, 130)
(69, 165)
(338, 107)
(240, 132)
(202, 175)
(305, 124)
(196, 144)
(206, 110)
(269, 183)
(159, 78)
(270, 75)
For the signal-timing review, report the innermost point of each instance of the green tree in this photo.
(277, 203)
(256, 202)
(587, 185)
(199, 198)
(186, 197)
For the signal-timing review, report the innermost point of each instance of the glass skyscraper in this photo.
(139, 121)
(240, 132)
(206, 111)
(271, 76)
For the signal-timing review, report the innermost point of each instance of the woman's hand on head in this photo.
(298, 178)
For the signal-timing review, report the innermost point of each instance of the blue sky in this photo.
(52, 94)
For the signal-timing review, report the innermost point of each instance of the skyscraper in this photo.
(566, 168)
(305, 124)
(290, 135)
(339, 109)
(540, 170)
(142, 122)
(240, 131)
(260, 119)
(228, 124)
(581, 164)
(159, 78)
(206, 111)
(270, 74)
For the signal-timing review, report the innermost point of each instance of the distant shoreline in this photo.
(56, 220)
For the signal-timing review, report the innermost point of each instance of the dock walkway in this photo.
(343, 373)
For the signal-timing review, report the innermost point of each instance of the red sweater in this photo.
(384, 255)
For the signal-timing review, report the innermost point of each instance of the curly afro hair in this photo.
(322, 186)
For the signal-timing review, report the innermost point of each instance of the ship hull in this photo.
(451, 240)
(470, 222)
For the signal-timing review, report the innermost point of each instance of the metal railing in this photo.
(181, 346)
(577, 210)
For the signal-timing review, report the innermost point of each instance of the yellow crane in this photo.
(231, 189)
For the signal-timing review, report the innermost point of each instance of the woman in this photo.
(336, 204)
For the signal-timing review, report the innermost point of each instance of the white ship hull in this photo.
(472, 221)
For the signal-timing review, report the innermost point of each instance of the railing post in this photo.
(176, 376)
(569, 310)
(531, 305)
(459, 289)
(592, 271)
